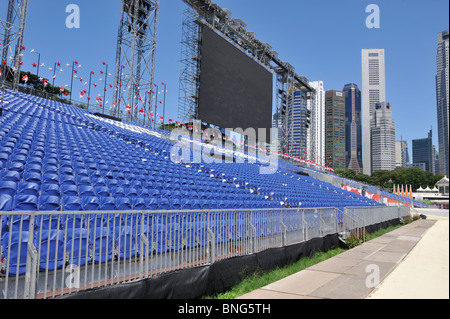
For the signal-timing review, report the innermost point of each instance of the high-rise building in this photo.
(293, 124)
(316, 141)
(298, 128)
(423, 152)
(436, 161)
(373, 91)
(335, 129)
(442, 101)
(383, 138)
(353, 133)
(401, 154)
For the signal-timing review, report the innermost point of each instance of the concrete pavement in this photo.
(409, 262)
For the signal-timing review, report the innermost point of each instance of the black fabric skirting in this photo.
(220, 276)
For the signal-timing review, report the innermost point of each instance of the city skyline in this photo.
(398, 34)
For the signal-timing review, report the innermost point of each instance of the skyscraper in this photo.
(353, 134)
(423, 152)
(298, 128)
(383, 138)
(316, 143)
(335, 129)
(373, 92)
(401, 154)
(442, 101)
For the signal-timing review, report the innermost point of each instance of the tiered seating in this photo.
(55, 157)
(292, 189)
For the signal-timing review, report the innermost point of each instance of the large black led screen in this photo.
(235, 91)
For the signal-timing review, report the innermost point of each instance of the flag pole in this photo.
(164, 107)
(89, 90)
(156, 106)
(104, 90)
(71, 82)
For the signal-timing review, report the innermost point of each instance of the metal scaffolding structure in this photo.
(135, 56)
(12, 32)
(205, 13)
(190, 66)
(292, 103)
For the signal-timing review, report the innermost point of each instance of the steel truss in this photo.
(12, 32)
(233, 30)
(287, 86)
(190, 67)
(135, 57)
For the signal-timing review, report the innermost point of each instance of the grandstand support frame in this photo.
(235, 32)
(190, 66)
(13, 30)
(287, 84)
(136, 54)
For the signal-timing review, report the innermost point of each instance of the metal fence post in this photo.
(284, 230)
(211, 242)
(252, 234)
(321, 228)
(304, 227)
(31, 268)
(144, 243)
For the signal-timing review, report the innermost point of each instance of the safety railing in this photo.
(50, 254)
(356, 219)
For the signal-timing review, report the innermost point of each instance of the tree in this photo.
(350, 174)
(399, 176)
(363, 178)
(33, 82)
(382, 179)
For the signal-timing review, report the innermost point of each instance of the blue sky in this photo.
(321, 39)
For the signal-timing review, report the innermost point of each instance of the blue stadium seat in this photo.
(124, 203)
(102, 191)
(12, 176)
(152, 203)
(101, 241)
(50, 178)
(50, 246)
(89, 203)
(50, 190)
(68, 180)
(108, 203)
(86, 190)
(19, 242)
(77, 246)
(6, 202)
(69, 190)
(25, 203)
(71, 203)
(8, 188)
(33, 167)
(126, 239)
(49, 203)
(139, 203)
(15, 166)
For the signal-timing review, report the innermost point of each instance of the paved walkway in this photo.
(408, 263)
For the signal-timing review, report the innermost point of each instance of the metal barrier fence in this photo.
(50, 254)
(356, 219)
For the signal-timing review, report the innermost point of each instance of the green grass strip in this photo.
(261, 279)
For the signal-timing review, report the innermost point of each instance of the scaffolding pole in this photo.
(190, 66)
(12, 32)
(135, 57)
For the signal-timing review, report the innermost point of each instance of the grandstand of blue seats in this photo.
(58, 157)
